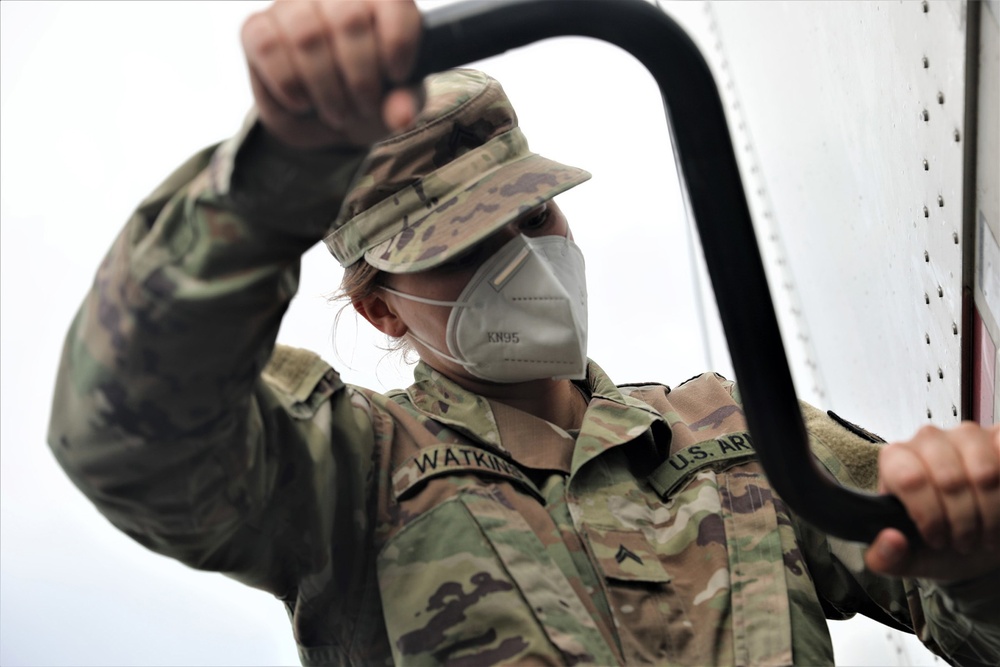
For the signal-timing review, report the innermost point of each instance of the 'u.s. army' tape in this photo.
(721, 452)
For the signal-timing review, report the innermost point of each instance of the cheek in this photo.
(430, 320)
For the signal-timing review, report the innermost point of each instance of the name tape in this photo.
(447, 459)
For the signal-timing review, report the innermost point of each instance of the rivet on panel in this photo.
(940, 201)
(929, 416)
(927, 256)
(927, 298)
(927, 213)
(927, 63)
(954, 411)
(925, 115)
(940, 98)
(940, 292)
(940, 374)
(954, 328)
(954, 237)
(927, 165)
(927, 338)
(928, 378)
(958, 136)
(926, 6)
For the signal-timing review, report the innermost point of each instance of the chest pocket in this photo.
(471, 581)
(728, 539)
(639, 592)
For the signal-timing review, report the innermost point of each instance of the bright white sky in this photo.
(100, 101)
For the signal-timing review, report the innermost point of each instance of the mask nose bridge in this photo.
(504, 273)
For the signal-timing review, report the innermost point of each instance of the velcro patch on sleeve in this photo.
(723, 451)
(450, 459)
(295, 371)
(855, 429)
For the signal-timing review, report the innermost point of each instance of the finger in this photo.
(400, 108)
(307, 34)
(889, 553)
(267, 55)
(940, 452)
(294, 130)
(979, 450)
(398, 27)
(355, 48)
(903, 474)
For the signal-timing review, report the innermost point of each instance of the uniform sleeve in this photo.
(960, 622)
(161, 416)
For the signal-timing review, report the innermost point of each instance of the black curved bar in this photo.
(462, 33)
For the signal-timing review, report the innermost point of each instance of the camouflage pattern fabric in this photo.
(431, 526)
(461, 173)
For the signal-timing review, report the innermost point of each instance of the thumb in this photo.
(401, 106)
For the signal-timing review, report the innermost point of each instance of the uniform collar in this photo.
(612, 418)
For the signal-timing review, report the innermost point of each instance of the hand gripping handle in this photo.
(462, 33)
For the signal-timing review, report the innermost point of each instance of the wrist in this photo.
(278, 185)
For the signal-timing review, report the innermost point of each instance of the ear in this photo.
(380, 313)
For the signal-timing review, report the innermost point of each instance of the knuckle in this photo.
(354, 19)
(986, 478)
(308, 37)
(967, 426)
(907, 478)
(258, 36)
(952, 481)
(928, 432)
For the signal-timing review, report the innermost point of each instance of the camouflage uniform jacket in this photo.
(431, 525)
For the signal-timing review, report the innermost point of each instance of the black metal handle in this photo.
(462, 33)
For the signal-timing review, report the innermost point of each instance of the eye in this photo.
(463, 260)
(536, 219)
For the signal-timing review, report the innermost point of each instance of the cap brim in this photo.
(474, 212)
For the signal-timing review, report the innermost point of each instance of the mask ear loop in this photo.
(443, 355)
(423, 299)
(432, 302)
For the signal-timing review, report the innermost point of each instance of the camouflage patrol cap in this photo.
(461, 173)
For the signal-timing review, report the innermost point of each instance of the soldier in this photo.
(513, 505)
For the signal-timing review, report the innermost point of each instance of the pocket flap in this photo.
(626, 555)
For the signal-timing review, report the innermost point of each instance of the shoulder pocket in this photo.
(301, 379)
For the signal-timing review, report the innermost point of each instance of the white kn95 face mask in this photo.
(523, 314)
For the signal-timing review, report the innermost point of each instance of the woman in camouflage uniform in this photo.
(515, 507)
